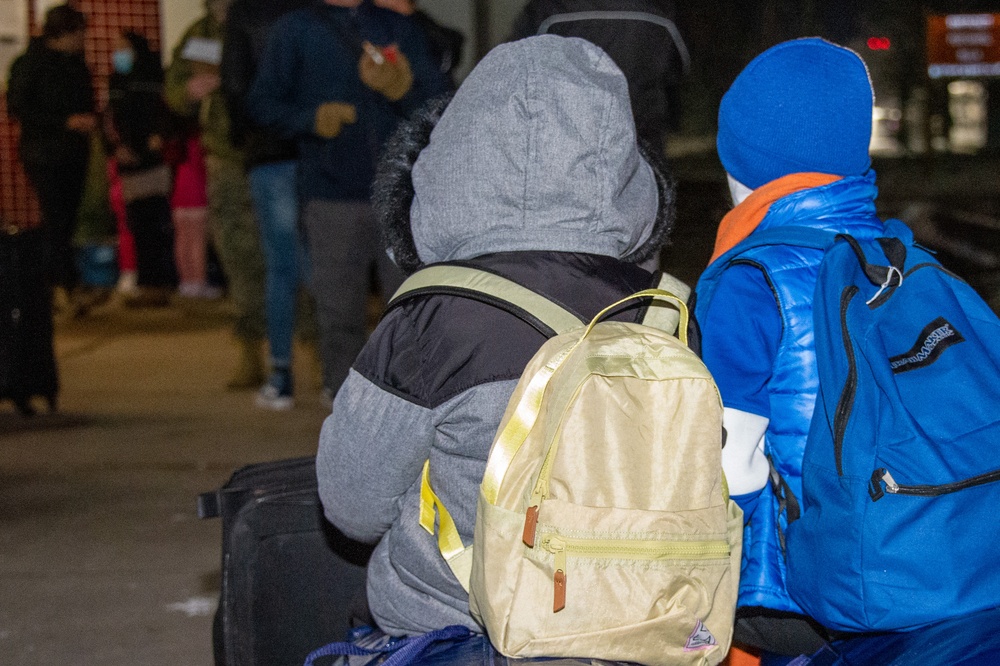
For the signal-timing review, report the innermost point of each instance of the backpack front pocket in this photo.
(610, 550)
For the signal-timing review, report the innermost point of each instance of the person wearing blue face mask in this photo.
(123, 60)
(139, 123)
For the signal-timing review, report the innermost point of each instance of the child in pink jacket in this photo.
(189, 208)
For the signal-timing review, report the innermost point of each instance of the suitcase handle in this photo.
(208, 505)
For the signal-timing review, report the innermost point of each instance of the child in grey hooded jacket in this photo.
(532, 172)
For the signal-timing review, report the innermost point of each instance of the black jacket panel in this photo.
(431, 348)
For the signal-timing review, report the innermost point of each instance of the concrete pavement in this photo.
(102, 558)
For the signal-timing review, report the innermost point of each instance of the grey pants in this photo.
(344, 253)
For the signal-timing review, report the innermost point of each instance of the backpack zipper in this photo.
(531, 514)
(845, 404)
(539, 492)
(623, 549)
(882, 477)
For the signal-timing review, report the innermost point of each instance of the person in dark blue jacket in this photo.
(794, 130)
(337, 77)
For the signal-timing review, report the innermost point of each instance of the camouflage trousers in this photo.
(237, 242)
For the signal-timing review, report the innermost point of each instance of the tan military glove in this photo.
(331, 118)
(386, 71)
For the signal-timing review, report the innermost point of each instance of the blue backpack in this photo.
(900, 522)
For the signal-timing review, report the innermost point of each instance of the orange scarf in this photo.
(744, 218)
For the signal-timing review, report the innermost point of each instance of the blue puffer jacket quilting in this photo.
(845, 206)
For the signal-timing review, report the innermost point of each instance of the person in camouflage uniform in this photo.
(192, 88)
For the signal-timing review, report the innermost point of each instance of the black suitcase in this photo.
(290, 581)
(27, 359)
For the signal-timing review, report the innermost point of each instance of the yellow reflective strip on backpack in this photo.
(518, 427)
(520, 424)
(455, 553)
(427, 499)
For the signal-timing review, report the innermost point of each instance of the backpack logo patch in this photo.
(931, 343)
(700, 639)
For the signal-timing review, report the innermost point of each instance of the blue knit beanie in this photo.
(803, 105)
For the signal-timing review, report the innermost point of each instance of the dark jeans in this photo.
(276, 202)
(149, 221)
(59, 188)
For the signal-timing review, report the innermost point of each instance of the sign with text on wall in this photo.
(963, 45)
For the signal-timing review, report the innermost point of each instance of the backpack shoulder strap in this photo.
(662, 315)
(457, 555)
(546, 316)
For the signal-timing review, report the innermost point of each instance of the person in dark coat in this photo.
(51, 95)
(139, 126)
(247, 25)
(645, 45)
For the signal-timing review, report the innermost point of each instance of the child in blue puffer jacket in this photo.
(794, 130)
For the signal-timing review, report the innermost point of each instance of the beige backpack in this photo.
(604, 528)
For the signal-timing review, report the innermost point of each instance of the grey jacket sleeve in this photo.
(371, 450)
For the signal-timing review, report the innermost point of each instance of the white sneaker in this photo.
(210, 293)
(126, 282)
(276, 394)
(199, 290)
(269, 397)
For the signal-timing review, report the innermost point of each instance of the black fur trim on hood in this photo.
(392, 192)
(666, 211)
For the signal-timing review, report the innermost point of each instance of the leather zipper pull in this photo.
(530, 526)
(559, 581)
(559, 598)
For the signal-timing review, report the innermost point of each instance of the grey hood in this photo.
(536, 151)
